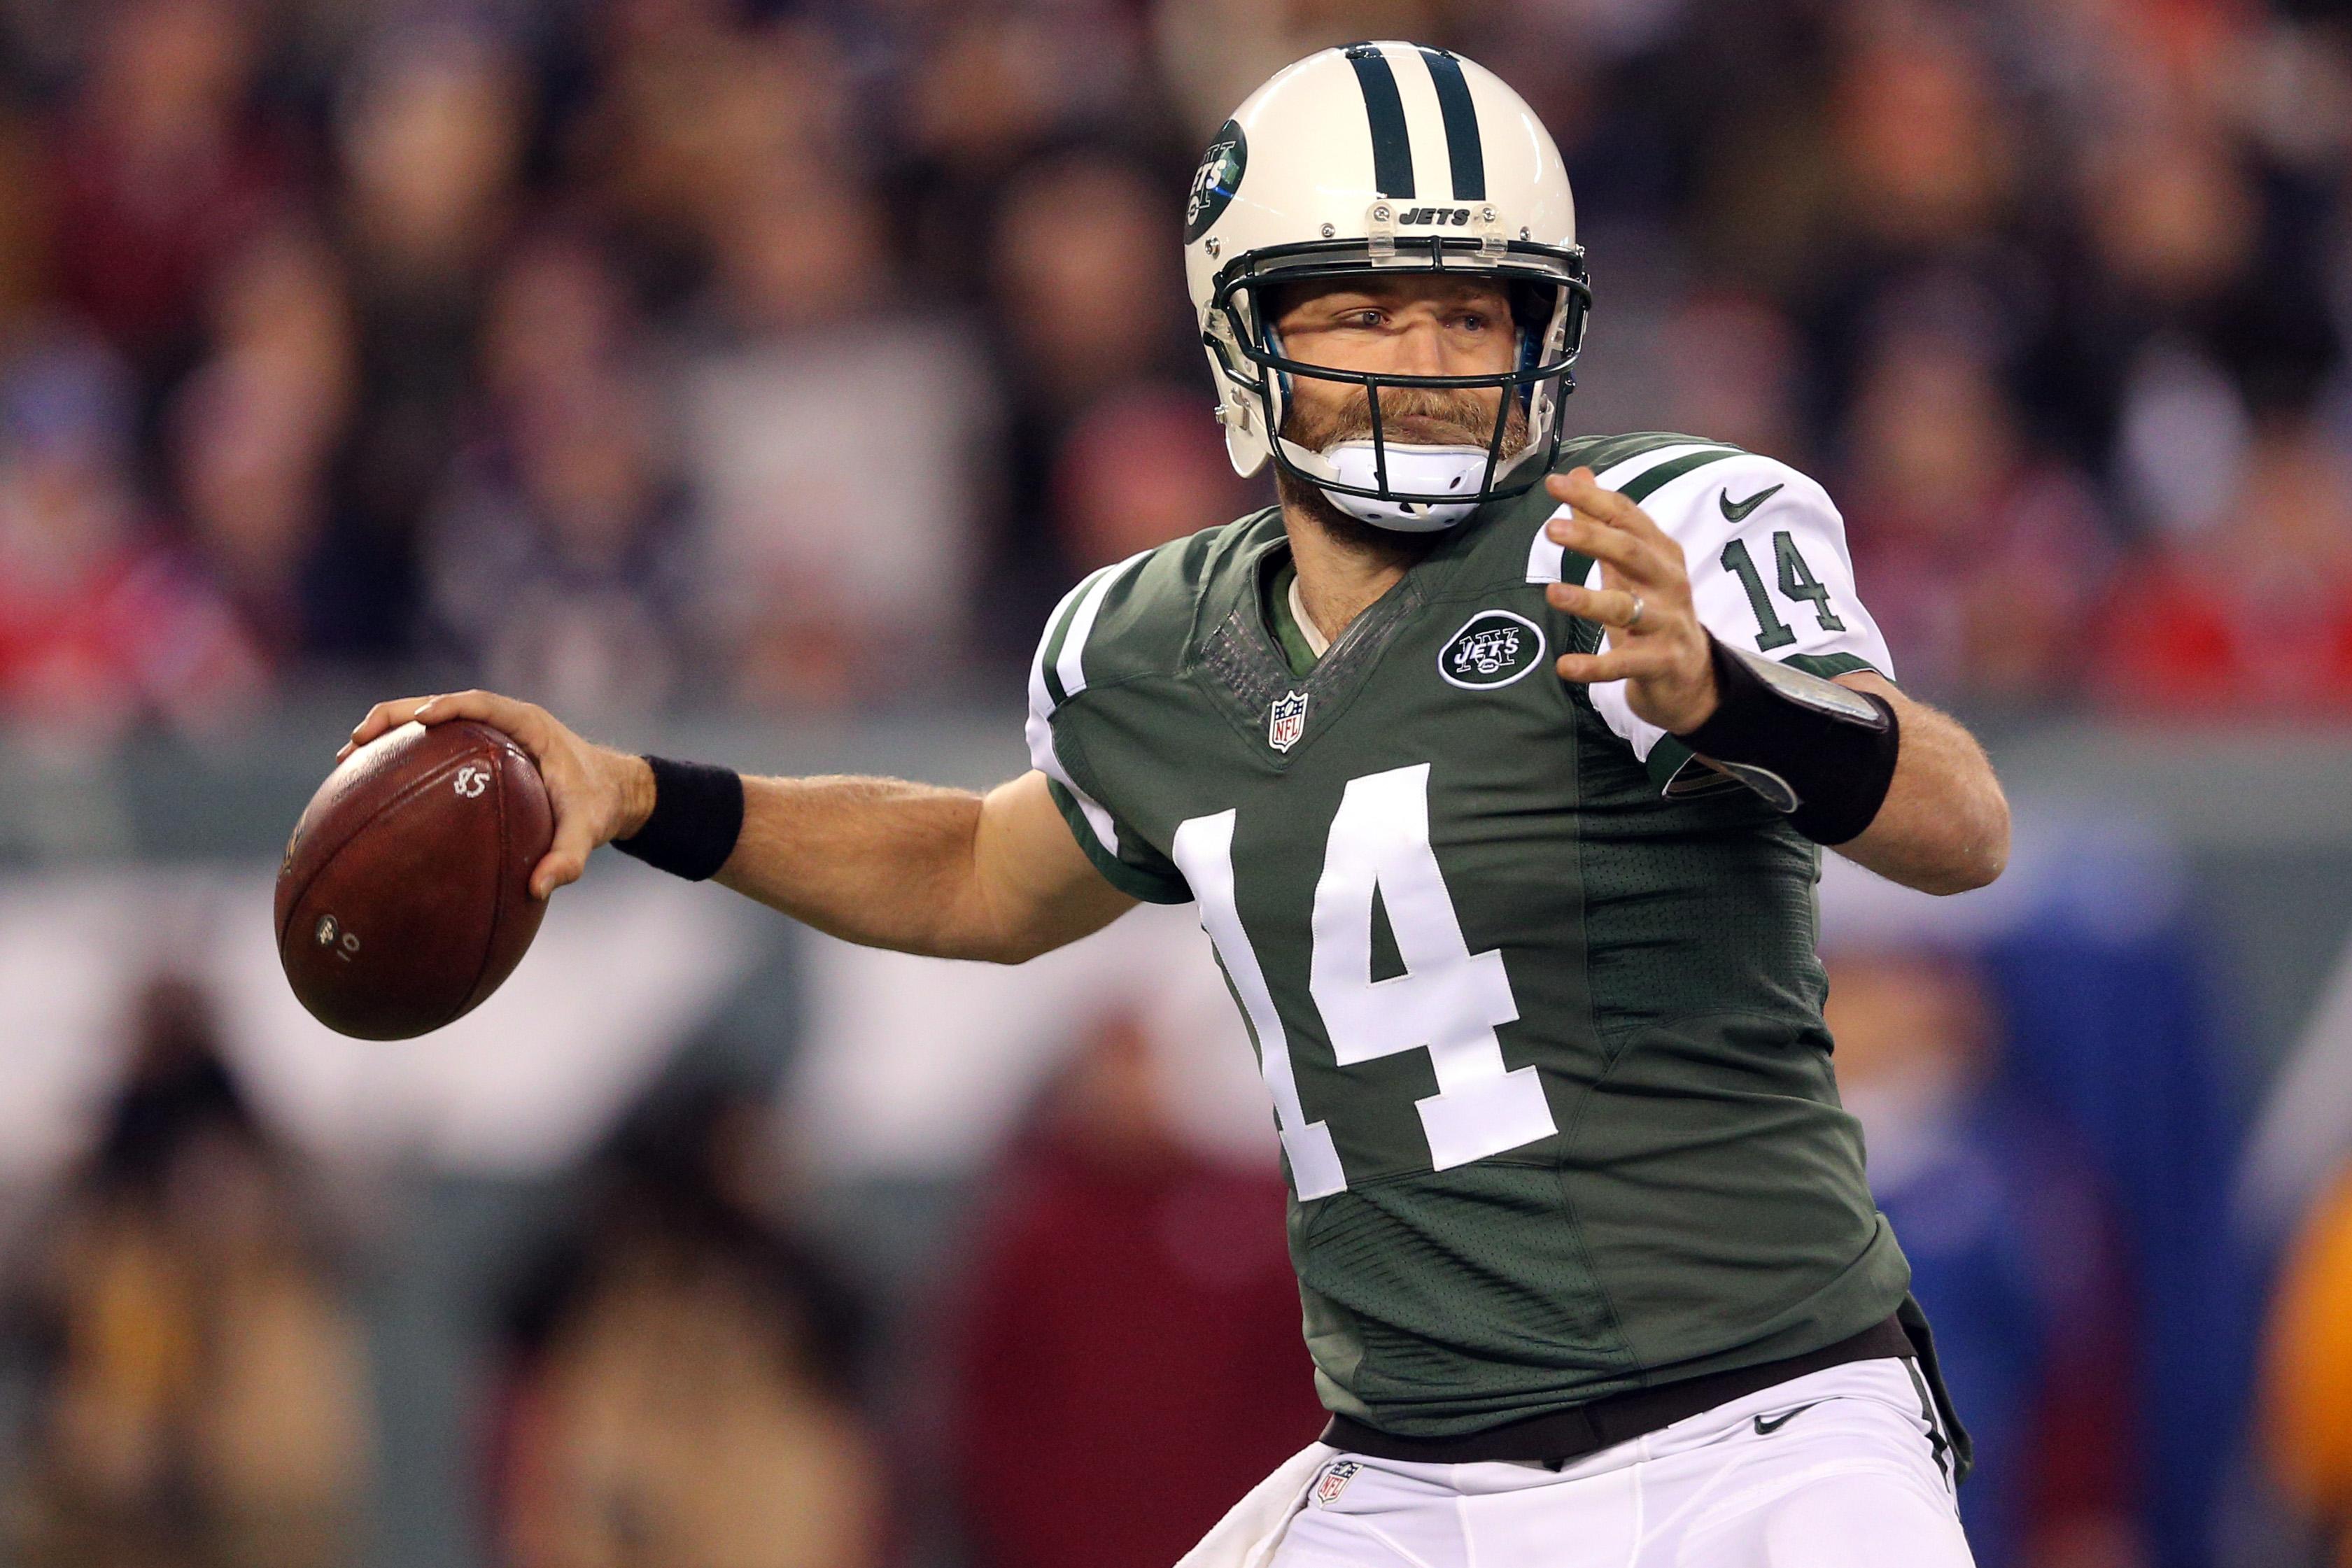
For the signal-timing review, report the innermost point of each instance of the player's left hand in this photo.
(1656, 645)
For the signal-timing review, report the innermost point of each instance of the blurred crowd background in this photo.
(761, 372)
(641, 351)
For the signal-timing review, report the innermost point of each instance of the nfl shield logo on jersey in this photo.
(1336, 1477)
(1288, 722)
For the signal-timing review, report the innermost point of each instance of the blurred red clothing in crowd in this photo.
(1130, 1361)
(158, 175)
(135, 633)
(2255, 611)
(101, 620)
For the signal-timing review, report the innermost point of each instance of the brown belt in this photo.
(1559, 1436)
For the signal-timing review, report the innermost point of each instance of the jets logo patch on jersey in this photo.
(1288, 721)
(1494, 649)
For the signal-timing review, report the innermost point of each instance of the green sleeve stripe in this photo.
(1642, 485)
(1605, 451)
(1828, 667)
(1051, 656)
(1131, 880)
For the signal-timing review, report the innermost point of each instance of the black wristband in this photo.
(1819, 751)
(698, 815)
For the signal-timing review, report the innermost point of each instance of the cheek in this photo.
(1309, 395)
(1491, 354)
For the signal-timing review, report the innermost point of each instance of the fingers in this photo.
(572, 791)
(1650, 561)
(1611, 607)
(1580, 489)
(381, 718)
(518, 719)
(1606, 526)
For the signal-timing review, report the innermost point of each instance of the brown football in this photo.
(404, 896)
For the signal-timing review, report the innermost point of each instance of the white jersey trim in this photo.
(1070, 670)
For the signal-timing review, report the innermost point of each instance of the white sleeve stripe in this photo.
(1547, 560)
(1071, 666)
(1106, 830)
(1041, 701)
(1041, 753)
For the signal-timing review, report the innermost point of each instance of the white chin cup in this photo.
(1414, 470)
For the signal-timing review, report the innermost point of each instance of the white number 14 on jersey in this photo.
(1449, 1001)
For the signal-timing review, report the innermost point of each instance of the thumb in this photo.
(557, 868)
(565, 861)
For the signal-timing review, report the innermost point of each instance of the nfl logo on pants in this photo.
(1288, 721)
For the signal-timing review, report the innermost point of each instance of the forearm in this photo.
(872, 860)
(1944, 825)
(942, 872)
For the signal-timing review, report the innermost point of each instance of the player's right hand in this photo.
(599, 794)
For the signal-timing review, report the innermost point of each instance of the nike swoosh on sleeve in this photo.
(1737, 511)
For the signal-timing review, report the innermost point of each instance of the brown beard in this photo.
(1410, 416)
(1414, 416)
(1302, 499)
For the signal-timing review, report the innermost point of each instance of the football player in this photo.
(1498, 762)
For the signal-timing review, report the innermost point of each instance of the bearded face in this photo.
(1415, 416)
(1402, 326)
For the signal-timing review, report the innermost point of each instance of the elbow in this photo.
(1008, 948)
(1966, 872)
(1976, 855)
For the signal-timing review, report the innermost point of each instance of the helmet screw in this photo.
(1212, 247)
(1486, 215)
(1523, 234)
(1329, 231)
(1379, 215)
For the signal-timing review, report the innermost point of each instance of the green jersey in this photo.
(1536, 997)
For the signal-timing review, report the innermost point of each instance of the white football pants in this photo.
(1840, 1468)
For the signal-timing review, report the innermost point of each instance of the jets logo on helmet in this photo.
(1387, 157)
(1219, 177)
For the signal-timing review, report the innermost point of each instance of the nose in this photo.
(1421, 349)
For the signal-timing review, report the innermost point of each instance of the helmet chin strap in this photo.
(1413, 469)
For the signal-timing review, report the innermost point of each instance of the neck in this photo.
(1344, 564)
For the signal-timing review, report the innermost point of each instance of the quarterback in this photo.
(1497, 761)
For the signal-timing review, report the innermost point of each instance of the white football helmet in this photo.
(1386, 158)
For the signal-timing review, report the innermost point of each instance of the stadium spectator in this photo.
(431, 134)
(1129, 1320)
(254, 430)
(2254, 611)
(161, 171)
(682, 1387)
(556, 561)
(2010, 1252)
(201, 1385)
(1982, 555)
(101, 622)
(690, 112)
(558, 555)
(1085, 301)
(1139, 468)
(824, 547)
(1736, 363)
